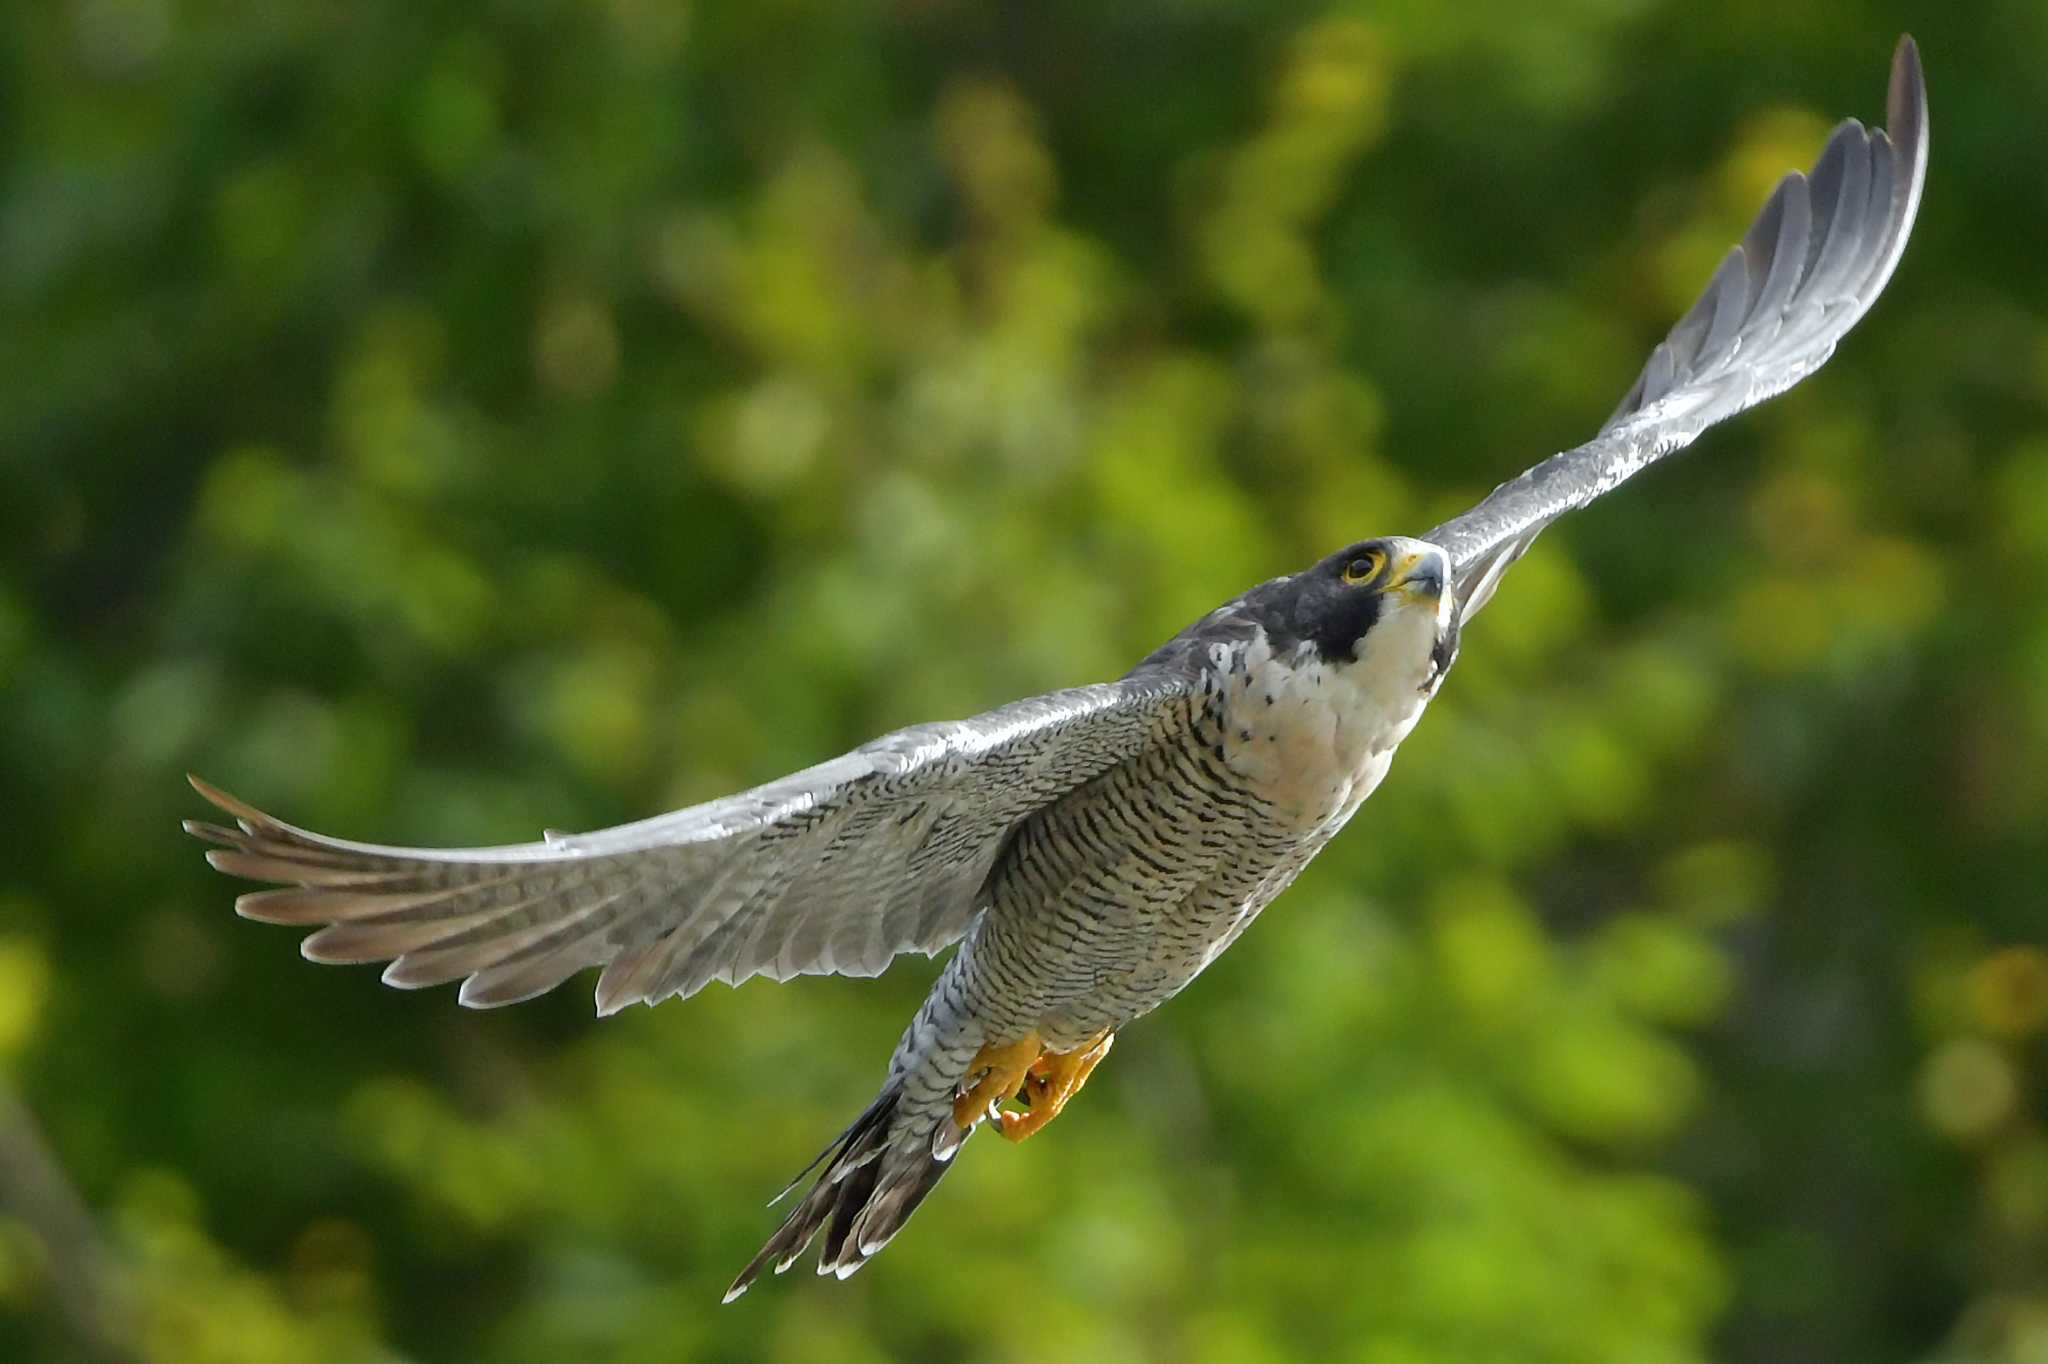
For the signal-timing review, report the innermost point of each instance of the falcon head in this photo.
(1384, 604)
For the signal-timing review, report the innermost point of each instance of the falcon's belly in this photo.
(1109, 902)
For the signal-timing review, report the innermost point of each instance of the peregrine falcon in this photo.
(1089, 851)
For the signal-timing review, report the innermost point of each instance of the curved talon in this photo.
(1053, 1079)
(1024, 1070)
(1002, 1069)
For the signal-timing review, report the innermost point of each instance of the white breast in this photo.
(1314, 738)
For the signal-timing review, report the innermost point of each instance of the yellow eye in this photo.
(1365, 567)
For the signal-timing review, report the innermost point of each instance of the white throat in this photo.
(1315, 738)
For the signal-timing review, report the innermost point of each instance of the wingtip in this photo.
(1906, 101)
(244, 813)
(211, 833)
(495, 987)
(475, 995)
(398, 975)
(1906, 54)
(288, 905)
(208, 791)
(1906, 125)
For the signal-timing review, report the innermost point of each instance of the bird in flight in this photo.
(1088, 851)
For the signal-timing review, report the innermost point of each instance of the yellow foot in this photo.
(1052, 1079)
(1003, 1070)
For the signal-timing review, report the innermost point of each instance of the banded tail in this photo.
(876, 1174)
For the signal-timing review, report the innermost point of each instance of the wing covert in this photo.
(1810, 266)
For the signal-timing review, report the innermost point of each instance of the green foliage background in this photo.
(435, 422)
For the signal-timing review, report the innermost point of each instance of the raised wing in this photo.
(1810, 267)
(835, 869)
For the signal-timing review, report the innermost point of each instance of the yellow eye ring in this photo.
(1365, 567)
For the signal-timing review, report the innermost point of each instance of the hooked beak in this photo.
(1421, 576)
(1422, 579)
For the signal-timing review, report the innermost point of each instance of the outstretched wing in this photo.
(835, 869)
(1811, 266)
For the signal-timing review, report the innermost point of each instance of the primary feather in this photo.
(1806, 272)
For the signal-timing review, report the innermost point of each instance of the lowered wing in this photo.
(1811, 265)
(836, 869)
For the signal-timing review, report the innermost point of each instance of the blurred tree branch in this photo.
(86, 1280)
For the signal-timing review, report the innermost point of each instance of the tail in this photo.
(876, 1173)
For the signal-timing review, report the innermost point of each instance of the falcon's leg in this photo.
(1053, 1079)
(1003, 1070)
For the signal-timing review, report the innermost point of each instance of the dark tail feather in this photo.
(872, 1182)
